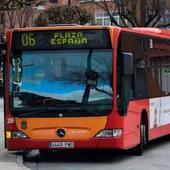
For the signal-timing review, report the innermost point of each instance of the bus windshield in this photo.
(61, 83)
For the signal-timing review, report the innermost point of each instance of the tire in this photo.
(167, 137)
(138, 150)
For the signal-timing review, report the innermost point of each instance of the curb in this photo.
(19, 161)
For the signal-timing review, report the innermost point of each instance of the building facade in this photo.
(95, 7)
(101, 17)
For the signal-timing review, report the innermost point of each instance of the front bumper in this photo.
(95, 143)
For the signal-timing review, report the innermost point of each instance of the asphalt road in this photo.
(156, 157)
(8, 160)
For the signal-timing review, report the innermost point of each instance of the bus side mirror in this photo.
(127, 63)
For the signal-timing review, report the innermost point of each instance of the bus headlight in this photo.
(109, 133)
(117, 133)
(18, 135)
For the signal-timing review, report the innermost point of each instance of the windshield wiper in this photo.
(103, 91)
(91, 80)
(88, 86)
(46, 110)
(59, 111)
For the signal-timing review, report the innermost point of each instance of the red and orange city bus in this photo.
(86, 87)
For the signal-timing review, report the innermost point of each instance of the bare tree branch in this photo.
(18, 12)
(136, 13)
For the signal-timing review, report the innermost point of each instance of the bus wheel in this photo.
(138, 150)
(167, 137)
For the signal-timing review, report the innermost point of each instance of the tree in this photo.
(19, 17)
(137, 13)
(64, 15)
(15, 4)
(18, 12)
(42, 20)
(69, 2)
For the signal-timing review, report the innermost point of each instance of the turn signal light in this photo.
(8, 134)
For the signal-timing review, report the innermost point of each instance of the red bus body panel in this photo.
(130, 124)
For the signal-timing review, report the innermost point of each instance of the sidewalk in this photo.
(8, 160)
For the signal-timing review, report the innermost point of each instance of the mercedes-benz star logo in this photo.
(61, 133)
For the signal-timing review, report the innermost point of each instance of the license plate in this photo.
(61, 144)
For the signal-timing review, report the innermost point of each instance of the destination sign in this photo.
(60, 39)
